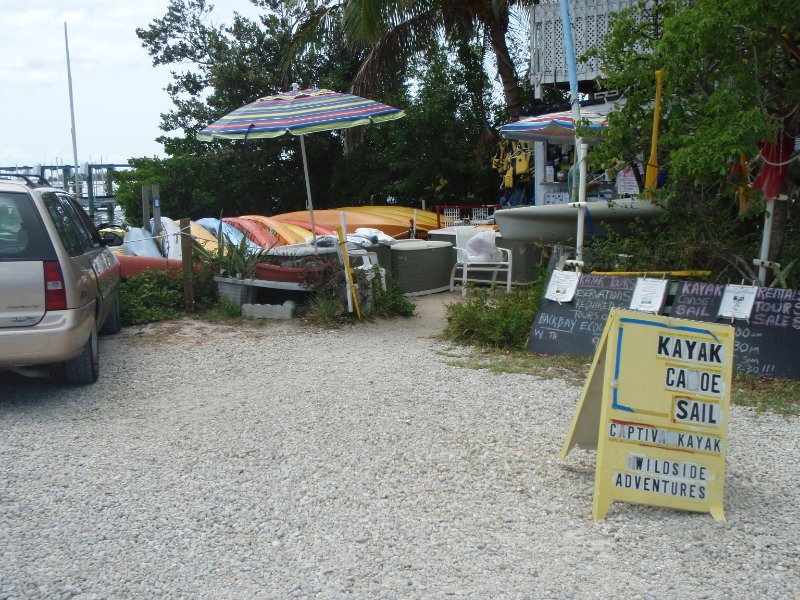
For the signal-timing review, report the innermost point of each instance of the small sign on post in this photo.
(655, 405)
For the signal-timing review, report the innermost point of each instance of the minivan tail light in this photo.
(55, 293)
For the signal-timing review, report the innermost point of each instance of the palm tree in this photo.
(392, 32)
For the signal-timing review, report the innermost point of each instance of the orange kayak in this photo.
(394, 226)
(321, 229)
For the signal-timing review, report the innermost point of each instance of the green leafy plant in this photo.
(326, 310)
(236, 261)
(151, 296)
(494, 318)
(328, 305)
(389, 302)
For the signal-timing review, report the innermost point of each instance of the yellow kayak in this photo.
(204, 237)
(390, 225)
(426, 219)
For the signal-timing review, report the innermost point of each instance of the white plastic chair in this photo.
(501, 267)
(367, 261)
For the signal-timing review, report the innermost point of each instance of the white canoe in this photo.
(140, 242)
(557, 223)
(170, 236)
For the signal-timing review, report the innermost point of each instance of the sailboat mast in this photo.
(72, 116)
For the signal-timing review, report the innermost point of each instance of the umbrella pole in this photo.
(309, 205)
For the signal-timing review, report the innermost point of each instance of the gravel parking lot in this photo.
(275, 460)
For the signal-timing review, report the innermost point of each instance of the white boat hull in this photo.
(557, 223)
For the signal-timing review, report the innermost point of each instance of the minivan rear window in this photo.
(22, 233)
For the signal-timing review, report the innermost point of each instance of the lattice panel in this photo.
(589, 27)
(465, 215)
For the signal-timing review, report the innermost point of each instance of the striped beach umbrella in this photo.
(299, 112)
(554, 127)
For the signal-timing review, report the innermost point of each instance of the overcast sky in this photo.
(118, 94)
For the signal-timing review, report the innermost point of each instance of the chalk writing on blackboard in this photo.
(760, 346)
(575, 327)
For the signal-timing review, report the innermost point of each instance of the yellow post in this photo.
(348, 274)
(652, 164)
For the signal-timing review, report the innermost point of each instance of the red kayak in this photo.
(253, 231)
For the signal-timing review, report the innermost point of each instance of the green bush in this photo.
(327, 306)
(158, 295)
(326, 310)
(390, 302)
(494, 318)
(151, 296)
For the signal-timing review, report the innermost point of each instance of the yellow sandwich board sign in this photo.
(655, 405)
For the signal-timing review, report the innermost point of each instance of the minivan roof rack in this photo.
(32, 180)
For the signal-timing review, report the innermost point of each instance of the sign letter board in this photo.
(663, 390)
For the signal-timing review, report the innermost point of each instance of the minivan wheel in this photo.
(113, 322)
(85, 368)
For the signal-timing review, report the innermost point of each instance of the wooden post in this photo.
(156, 210)
(146, 207)
(186, 257)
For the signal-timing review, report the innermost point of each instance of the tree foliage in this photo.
(427, 156)
(393, 34)
(731, 81)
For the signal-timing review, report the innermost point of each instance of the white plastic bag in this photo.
(481, 247)
(369, 232)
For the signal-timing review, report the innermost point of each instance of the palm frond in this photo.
(308, 32)
(395, 48)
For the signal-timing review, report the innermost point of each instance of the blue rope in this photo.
(589, 221)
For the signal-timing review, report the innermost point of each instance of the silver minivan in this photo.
(59, 284)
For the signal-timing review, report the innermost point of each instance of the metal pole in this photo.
(572, 69)
(764, 256)
(309, 204)
(90, 190)
(72, 116)
(582, 150)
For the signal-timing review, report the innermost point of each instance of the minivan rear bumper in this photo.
(59, 336)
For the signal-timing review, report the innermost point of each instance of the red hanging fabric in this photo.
(772, 175)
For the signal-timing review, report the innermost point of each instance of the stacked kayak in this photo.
(291, 229)
(230, 234)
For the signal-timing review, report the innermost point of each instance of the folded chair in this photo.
(479, 255)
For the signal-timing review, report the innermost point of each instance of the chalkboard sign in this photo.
(575, 327)
(766, 346)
